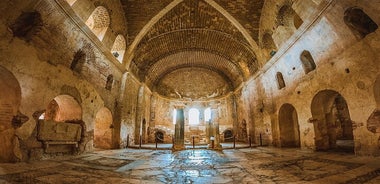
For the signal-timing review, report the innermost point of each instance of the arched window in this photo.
(109, 82)
(208, 115)
(99, 21)
(307, 61)
(71, 2)
(174, 116)
(287, 17)
(118, 48)
(268, 41)
(359, 22)
(193, 116)
(280, 80)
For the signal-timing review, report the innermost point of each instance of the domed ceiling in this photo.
(196, 49)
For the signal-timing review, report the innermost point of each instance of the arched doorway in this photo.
(159, 136)
(332, 122)
(289, 128)
(228, 135)
(10, 100)
(103, 129)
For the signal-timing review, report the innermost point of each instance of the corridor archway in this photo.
(103, 129)
(63, 108)
(289, 127)
(10, 100)
(332, 122)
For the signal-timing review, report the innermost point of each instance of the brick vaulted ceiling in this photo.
(197, 39)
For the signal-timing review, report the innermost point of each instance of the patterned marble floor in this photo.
(257, 165)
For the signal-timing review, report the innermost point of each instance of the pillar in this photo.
(214, 130)
(179, 132)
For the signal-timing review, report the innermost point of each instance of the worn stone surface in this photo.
(193, 54)
(258, 165)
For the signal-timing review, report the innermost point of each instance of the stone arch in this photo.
(287, 22)
(118, 48)
(159, 136)
(27, 25)
(99, 22)
(109, 82)
(280, 80)
(103, 129)
(289, 127)
(287, 17)
(10, 101)
(307, 60)
(63, 108)
(359, 22)
(332, 121)
(228, 135)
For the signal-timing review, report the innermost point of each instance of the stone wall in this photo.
(41, 61)
(344, 64)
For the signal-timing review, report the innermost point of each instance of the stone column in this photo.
(214, 130)
(179, 133)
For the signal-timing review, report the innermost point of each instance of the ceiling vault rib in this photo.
(146, 29)
(236, 23)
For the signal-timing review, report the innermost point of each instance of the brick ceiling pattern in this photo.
(247, 12)
(193, 35)
(139, 12)
(230, 72)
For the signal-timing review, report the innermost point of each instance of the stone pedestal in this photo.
(179, 133)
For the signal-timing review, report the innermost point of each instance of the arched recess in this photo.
(332, 122)
(287, 22)
(359, 22)
(109, 82)
(288, 17)
(159, 136)
(280, 80)
(118, 48)
(10, 100)
(63, 108)
(289, 127)
(373, 122)
(307, 61)
(228, 135)
(99, 22)
(268, 43)
(103, 129)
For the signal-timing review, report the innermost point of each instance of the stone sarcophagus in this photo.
(58, 133)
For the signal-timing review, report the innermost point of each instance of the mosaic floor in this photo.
(257, 165)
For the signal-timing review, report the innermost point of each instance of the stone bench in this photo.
(58, 133)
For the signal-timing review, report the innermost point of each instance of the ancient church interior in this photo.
(190, 91)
